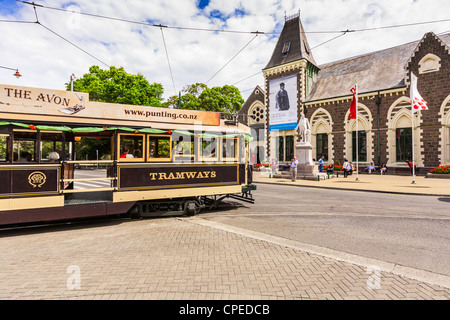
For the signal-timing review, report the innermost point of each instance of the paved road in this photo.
(193, 258)
(225, 255)
(409, 230)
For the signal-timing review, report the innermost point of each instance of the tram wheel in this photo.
(192, 207)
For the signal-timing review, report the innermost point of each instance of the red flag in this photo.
(352, 114)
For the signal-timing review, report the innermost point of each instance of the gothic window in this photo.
(290, 148)
(256, 114)
(362, 146)
(322, 146)
(403, 144)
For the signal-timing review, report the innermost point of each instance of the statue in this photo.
(304, 129)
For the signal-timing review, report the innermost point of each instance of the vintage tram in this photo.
(151, 161)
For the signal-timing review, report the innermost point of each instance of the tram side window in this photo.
(159, 147)
(131, 146)
(24, 146)
(183, 148)
(230, 149)
(4, 142)
(87, 148)
(208, 148)
(51, 146)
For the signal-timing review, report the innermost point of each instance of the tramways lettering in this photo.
(163, 176)
(182, 175)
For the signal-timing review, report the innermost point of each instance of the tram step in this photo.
(87, 198)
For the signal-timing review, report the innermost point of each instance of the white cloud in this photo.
(47, 61)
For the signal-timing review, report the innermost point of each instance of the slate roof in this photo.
(379, 70)
(294, 34)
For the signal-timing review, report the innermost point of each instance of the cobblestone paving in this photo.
(168, 259)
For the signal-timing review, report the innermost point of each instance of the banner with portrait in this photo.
(283, 103)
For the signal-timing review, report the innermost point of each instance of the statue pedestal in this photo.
(306, 167)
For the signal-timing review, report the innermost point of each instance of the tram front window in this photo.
(51, 145)
(24, 146)
(4, 140)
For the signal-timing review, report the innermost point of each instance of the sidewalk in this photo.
(194, 259)
(370, 182)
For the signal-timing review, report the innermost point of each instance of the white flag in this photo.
(417, 102)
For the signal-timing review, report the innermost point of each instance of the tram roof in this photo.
(58, 106)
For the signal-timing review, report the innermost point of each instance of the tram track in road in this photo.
(9, 230)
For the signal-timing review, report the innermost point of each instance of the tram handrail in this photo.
(87, 190)
(87, 179)
(89, 161)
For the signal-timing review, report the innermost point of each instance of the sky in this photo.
(205, 41)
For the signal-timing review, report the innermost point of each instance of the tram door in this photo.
(92, 159)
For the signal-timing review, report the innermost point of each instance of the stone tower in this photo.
(289, 77)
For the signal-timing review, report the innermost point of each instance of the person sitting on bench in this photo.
(370, 168)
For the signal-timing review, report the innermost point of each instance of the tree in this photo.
(117, 86)
(198, 96)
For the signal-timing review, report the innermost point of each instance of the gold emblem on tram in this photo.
(37, 179)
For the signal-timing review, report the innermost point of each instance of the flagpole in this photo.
(412, 129)
(412, 137)
(412, 88)
(357, 148)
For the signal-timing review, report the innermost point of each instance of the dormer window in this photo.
(429, 63)
(306, 47)
(286, 47)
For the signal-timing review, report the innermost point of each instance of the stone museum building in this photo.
(322, 93)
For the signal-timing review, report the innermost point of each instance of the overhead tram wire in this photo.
(212, 30)
(227, 31)
(233, 57)
(168, 60)
(343, 34)
(146, 23)
(55, 33)
(73, 44)
(253, 75)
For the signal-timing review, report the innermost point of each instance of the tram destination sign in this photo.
(172, 176)
(76, 105)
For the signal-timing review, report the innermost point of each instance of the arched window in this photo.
(363, 139)
(400, 126)
(321, 134)
(445, 132)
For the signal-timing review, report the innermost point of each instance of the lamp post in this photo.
(16, 74)
(72, 78)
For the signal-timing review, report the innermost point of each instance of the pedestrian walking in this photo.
(410, 165)
(321, 163)
(346, 167)
(294, 164)
(274, 165)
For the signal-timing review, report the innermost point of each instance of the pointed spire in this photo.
(292, 44)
